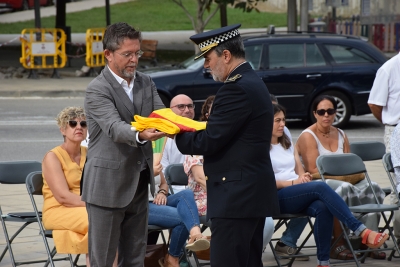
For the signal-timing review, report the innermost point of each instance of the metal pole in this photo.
(304, 15)
(292, 16)
(32, 73)
(37, 18)
(108, 12)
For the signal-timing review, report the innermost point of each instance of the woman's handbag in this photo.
(353, 178)
(154, 253)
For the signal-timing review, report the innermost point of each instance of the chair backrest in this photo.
(340, 164)
(15, 172)
(387, 162)
(175, 175)
(368, 150)
(343, 164)
(34, 183)
(388, 165)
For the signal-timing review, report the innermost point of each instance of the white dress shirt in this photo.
(386, 91)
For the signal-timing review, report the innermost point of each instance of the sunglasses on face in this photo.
(73, 124)
(182, 107)
(321, 112)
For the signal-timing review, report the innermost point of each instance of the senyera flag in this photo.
(165, 120)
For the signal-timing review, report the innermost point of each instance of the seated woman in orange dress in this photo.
(63, 210)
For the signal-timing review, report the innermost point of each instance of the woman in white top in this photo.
(297, 194)
(322, 138)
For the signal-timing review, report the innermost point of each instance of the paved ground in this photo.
(13, 198)
(30, 246)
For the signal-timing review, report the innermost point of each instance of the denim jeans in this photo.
(180, 214)
(318, 200)
(293, 231)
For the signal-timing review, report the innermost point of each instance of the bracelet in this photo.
(162, 191)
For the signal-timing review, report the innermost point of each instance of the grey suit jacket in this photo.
(114, 157)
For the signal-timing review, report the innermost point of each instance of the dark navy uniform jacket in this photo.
(235, 146)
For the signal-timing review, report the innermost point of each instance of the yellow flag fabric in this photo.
(165, 120)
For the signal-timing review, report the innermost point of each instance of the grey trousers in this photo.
(124, 229)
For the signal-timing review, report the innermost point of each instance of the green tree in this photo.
(201, 19)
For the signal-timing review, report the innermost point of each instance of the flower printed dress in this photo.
(200, 196)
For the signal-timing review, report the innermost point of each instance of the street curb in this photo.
(42, 93)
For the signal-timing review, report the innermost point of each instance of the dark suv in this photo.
(296, 68)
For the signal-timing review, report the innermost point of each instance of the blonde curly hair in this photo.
(70, 113)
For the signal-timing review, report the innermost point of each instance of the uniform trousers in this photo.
(236, 242)
(124, 229)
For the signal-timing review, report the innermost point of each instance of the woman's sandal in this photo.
(378, 241)
(377, 255)
(341, 253)
(197, 243)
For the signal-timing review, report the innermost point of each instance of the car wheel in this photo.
(343, 112)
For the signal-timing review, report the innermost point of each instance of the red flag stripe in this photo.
(181, 126)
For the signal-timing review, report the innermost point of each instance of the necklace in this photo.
(323, 133)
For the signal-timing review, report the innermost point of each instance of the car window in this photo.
(314, 56)
(192, 64)
(253, 55)
(286, 56)
(345, 54)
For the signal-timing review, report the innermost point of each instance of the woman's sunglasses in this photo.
(73, 124)
(321, 112)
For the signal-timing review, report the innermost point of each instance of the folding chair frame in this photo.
(368, 151)
(282, 220)
(15, 172)
(351, 164)
(34, 184)
(388, 165)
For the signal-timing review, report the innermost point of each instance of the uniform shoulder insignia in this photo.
(234, 78)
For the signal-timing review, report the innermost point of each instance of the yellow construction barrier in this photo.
(94, 47)
(43, 48)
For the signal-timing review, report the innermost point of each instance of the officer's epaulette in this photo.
(234, 78)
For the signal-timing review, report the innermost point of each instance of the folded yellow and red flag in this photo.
(165, 120)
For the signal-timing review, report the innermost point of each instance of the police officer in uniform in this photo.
(241, 189)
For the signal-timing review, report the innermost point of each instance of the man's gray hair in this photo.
(116, 33)
(234, 45)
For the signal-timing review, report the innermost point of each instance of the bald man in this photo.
(181, 105)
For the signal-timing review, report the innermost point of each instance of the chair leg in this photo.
(8, 242)
(346, 237)
(392, 253)
(391, 234)
(274, 253)
(76, 261)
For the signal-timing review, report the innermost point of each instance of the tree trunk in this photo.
(223, 15)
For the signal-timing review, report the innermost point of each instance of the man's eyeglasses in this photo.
(182, 107)
(330, 111)
(73, 124)
(130, 55)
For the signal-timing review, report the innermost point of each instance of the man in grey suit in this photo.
(119, 160)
